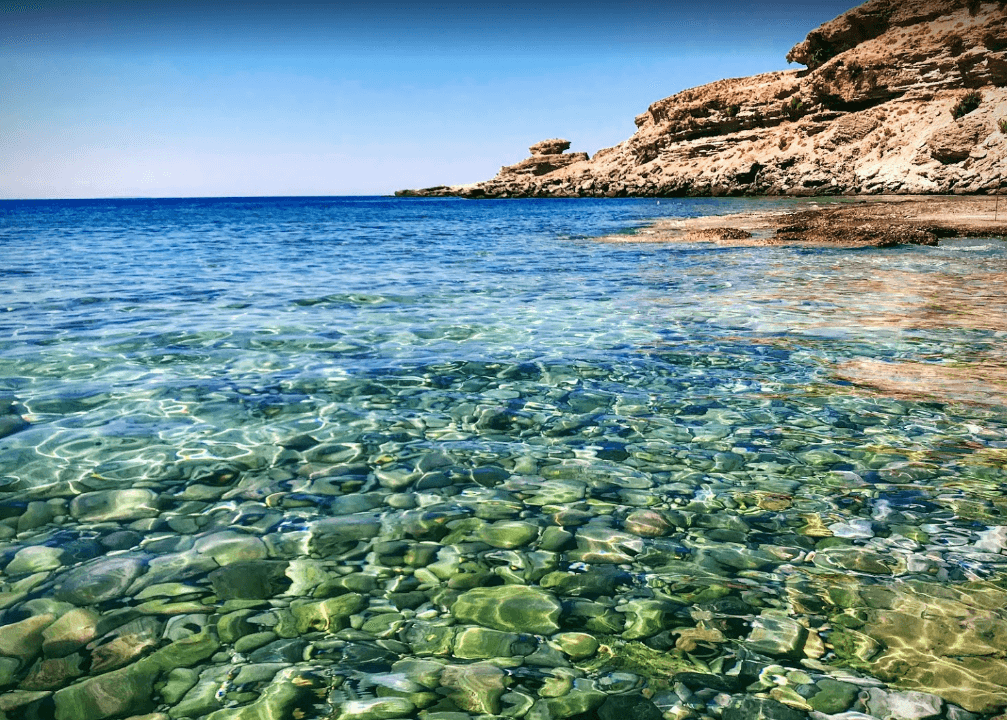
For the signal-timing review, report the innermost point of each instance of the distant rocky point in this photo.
(898, 97)
(547, 156)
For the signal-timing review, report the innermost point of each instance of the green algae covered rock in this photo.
(833, 696)
(182, 653)
(777, 636)
(128, 691)
(33, 559)
(286, 689)
(617, 655)
(582, 698)
(511, 608)
(375, 709)
(429, 639)
(476, 688)
(507, 534)
(201, 699)
(323, 616)
(177, 683)
(8, 670)
(235, 625)
(121, 692)
(645, 617)
(948, 640)
(23, 639)
(477, 643)
(576, 645)
(253, 641)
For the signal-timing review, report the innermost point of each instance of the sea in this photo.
(370, 458)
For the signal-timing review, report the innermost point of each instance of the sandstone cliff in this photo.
(887, 104)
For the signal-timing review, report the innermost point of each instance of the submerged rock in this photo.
(250, 580)
(903, 705)
(375, 709)
(335, 535)
(99, 581)
(230, 547)
(124, 644)
(749, 707)
(114, 505)
(583, 697)
(916, 638)
(322, 616)
(475, 688)
(833, 696)
(508, 534)
(481, 644)
(629, 707)
(24, 639)
(576, 645)
(34, 559)
(777, 636)
(645, 617)
(511, 608)
(128, 691)
(54, 673)
(11, 423)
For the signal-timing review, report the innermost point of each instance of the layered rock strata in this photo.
(880, 108)
(547, 156)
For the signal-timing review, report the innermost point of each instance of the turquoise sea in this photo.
(373, 458)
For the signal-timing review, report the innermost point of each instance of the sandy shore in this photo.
(883, 221)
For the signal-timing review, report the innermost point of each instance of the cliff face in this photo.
(887, 104)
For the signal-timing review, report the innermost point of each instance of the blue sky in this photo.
(162, 99)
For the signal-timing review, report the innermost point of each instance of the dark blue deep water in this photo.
(376, 458)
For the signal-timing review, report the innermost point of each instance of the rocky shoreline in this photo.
(864, 222)
(896, 98)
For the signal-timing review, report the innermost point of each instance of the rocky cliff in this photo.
(898, 96)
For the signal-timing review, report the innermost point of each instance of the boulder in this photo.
(554, 146)
(957, 141)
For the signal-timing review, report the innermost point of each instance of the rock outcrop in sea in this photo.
(897, 96)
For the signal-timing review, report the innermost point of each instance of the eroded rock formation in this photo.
(547, 156)
(871, 113)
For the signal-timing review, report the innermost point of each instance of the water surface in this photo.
(398, 457)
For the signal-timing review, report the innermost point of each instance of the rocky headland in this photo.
(897, 97)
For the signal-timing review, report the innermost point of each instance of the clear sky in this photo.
(186, 99)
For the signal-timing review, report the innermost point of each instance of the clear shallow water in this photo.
(297, 457)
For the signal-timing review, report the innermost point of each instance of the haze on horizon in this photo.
(200, 99)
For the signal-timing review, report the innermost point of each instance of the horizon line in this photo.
(185, 197)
